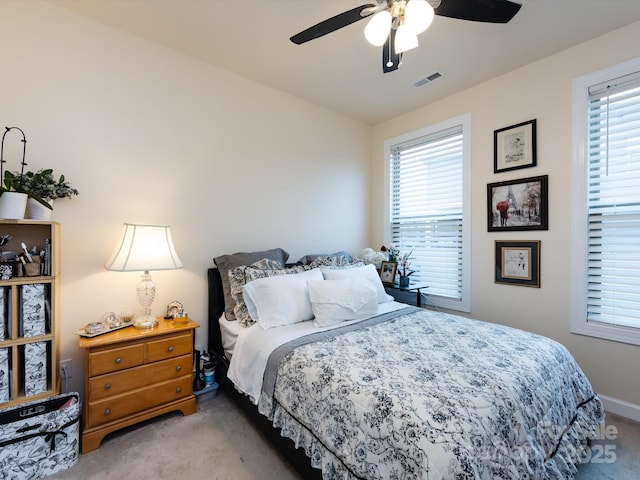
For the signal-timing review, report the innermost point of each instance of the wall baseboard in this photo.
(620, 407)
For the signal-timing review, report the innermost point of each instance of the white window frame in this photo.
(579, 323)
(464, 303)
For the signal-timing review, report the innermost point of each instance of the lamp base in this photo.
(144, 321)
(146, 292)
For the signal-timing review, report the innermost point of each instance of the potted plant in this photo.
(43, 188)
(405, 271)
(43, 185)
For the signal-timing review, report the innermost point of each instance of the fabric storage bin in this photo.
(4, 317)
(5, 376)
(33, 309)
(7, 270)
(36, 360)
(40, 438)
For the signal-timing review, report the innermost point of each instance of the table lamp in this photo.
(144, 248)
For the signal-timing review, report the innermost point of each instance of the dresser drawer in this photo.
(118, 406)
(169, 347)
(114, 383)
(115, 359)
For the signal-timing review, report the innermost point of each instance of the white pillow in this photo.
(368, 271)
(280, 300)
(335, 301)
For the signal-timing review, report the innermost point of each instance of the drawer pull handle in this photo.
(170, 349)
(178, 390)
(178, 368)
(107, 411)
(118, 360)
(107, 386)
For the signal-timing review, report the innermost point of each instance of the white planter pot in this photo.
(13, 205)
(36, 211)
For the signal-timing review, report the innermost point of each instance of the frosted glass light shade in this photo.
(418, 15)
(378, 28)
(406, 39)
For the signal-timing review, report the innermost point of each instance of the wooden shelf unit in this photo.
(13, 344)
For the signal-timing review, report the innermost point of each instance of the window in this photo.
(427, 200)
(606, 211)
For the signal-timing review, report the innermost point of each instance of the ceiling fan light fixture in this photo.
(406, 39)
(418, 15)
(378, 28)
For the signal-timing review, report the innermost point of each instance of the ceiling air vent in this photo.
(428, 79)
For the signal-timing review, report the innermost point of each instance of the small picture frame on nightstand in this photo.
(388, 272)
(175, 310)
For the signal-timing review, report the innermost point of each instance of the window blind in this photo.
(613, 203)
(427, 208)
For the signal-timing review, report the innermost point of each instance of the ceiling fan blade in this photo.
(492, 11)
(334, 23)
(390, 59)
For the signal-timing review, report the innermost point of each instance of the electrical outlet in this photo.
(65, 369)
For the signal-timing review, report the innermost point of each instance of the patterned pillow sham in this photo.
(240, 276)
(333, 261)
(308, 259)
(226, 263)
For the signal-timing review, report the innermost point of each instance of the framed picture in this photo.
(388, 272)
(518, 263)
(175, 309)
(514, 147)
(518, 205)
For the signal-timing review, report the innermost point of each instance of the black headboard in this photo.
(285, 446)
(216, 308)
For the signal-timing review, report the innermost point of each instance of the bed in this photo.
(408, 393)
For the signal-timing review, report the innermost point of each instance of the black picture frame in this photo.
(517, 262)
(388, 272)
(518, 205)
(514, 147)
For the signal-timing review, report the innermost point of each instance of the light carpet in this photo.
(219, 443)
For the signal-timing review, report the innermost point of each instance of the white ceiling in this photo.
(341, 71)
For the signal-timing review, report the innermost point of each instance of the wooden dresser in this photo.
(133, 375)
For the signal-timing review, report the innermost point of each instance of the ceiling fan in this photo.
(397, 23)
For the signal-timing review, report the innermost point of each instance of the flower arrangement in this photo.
(404, 264)
(392, 252)
(388, 254)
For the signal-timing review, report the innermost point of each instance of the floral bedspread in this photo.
(427, 395)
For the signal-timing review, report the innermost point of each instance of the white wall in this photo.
(543, 91)
(148, 135)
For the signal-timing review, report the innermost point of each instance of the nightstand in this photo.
(411, 295)
(134, 374)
